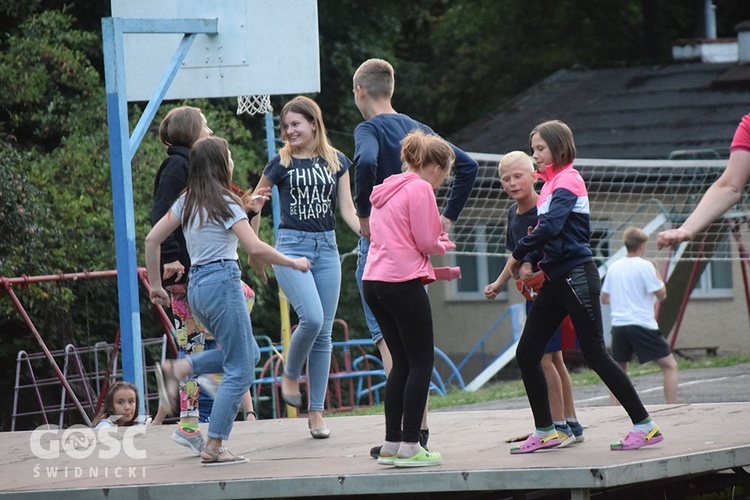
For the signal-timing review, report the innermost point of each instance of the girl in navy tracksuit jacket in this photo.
(572, 286)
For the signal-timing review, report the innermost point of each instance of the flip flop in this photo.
(214, 461)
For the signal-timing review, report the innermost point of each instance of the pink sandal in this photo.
(638, 439)
(533, 443)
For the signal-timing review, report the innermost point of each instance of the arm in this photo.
(725, 192)
(261, 251)
(605, 298)
(426, 227)
(464, 174)
(171, 183)
(346, 203)
(493, 289)
(253, 202)
(550, 224)
(154, 239)
(661, 293)
(264, 186)
(365, 173)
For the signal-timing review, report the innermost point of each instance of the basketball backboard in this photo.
(263, 47)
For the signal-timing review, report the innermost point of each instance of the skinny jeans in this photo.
(314, 295)
(576, 293)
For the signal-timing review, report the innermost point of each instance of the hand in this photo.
(672, 237)
(159, 296)
(525, 272)
(254, 201)
(492, 290)
(174, 269)
(445, 242)
(364, 227)
(301, 264)
(447, 223)
(259, 266)
(656, 269)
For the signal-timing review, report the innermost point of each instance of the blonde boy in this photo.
(517, 175)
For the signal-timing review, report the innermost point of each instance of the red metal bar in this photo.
(6, 285)
(744, 263)
(691, 284)
(69, 390)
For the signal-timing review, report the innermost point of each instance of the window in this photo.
(477, 255)
(716, 280)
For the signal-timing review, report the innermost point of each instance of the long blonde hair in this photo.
(311, 111)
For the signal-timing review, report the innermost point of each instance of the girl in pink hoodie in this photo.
(406, 230)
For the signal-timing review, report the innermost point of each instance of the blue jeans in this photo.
(372, 323)
(315, 297)
(216, 299)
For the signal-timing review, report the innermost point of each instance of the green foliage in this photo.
(455, 61)
(47, 81)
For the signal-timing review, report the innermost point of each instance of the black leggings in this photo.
(576, 293)
(405, 318)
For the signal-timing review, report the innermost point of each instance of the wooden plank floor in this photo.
(284, 461)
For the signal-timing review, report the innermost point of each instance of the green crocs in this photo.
(386, 460)
(422, 459)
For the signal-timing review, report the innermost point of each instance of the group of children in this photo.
(399, 163)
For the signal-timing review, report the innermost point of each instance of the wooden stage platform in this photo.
(286, 462)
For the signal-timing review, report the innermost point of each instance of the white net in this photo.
(254, 104)
(651, 194)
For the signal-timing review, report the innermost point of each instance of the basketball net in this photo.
(254, 104)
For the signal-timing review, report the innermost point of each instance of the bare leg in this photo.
(569, 407)
(612, 399)
(668, 366)
(554, 388)
(161, 414)
(247, 404)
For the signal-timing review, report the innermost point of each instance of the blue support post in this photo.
(122, 203)
(122, 148)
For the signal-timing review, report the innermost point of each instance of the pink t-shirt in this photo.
(741, 138)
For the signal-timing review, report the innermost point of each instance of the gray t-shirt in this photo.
(211, 241)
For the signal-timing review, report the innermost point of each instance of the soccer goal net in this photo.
(653, 195)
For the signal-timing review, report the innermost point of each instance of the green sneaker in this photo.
(422, 459)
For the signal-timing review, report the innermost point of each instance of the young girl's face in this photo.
(123, 404)
(517, 179)
(541, 152)
(205, 131)
(299, 132)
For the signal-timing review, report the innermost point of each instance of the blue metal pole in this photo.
(122, 203)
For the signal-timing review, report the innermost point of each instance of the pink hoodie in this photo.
(406, 229)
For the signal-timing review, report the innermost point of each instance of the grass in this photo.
(580, 377)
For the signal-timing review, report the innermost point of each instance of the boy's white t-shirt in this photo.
(631, 283)
(211, 241)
